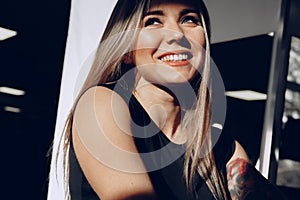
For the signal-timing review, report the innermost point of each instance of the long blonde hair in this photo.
(117, 40)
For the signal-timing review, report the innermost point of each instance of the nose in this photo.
(174, 37)
(175, 34)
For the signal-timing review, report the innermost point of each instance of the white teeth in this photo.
(174, 58)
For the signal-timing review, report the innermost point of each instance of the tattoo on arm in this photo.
(245, 182)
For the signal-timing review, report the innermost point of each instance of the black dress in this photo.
(165, 167)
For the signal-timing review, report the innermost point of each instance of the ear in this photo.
(127, 58)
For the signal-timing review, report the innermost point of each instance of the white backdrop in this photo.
(87, 21)
(230, 19)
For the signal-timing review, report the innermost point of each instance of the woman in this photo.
(140, 128)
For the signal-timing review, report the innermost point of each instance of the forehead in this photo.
(190, 3)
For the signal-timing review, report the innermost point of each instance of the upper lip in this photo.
(189, 54)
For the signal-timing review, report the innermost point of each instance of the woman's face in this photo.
(170, 45)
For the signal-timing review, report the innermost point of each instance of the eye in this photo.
(152, 21)
(191, 20)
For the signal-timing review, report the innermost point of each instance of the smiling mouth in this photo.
(179, 57)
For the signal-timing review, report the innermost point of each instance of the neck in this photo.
(162, 107)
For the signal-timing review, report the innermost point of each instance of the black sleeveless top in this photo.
(165, 167)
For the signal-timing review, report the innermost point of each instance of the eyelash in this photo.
(194, 20)
(151, 21)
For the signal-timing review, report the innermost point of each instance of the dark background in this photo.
(33, 61)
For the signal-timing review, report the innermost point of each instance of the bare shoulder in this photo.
(105, 148)
(101, 110)
(245, 182)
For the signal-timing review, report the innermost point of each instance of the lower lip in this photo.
(177, 63)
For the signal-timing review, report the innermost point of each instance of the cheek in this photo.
(198, 39)
(198, 42)
(196, 36)
(147, 43)
(148, 39)
(143, 56)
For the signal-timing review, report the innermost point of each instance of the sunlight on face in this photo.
(170, 46)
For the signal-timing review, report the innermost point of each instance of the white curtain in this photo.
(87, 21)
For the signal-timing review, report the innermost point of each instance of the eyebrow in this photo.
(154, 12)
(161, 13)
(187, 11)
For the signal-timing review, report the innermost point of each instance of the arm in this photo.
(101, 132)
(245, 182)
